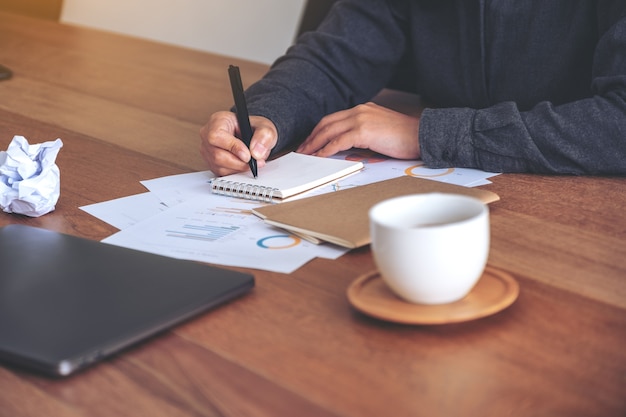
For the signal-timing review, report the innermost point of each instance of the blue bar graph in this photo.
(205, 232)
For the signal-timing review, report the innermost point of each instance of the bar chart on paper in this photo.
(210, 224)
(218, 231)
(207, 232)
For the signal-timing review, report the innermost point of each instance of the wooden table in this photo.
(129, 110)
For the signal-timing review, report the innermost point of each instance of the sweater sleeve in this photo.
(345, 62)
(586, 136)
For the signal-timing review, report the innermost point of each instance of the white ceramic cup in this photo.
(430, 248)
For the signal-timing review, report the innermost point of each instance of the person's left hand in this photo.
(366, 126)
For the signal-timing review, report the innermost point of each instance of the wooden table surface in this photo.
(130, 110)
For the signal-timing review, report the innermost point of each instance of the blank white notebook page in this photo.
(286, 176)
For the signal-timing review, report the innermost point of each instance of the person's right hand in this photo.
(225, 153)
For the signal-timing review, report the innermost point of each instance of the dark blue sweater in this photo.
(516, 85)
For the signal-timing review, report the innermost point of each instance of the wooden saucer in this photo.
(495, 291)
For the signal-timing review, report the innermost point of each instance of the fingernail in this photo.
(243, 156)
(259, 151)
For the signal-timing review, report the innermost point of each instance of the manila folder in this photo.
(342, 217)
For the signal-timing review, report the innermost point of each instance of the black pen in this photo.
(241, 109)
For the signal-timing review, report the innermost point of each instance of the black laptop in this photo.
(68, 302)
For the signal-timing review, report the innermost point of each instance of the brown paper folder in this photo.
(342, 217)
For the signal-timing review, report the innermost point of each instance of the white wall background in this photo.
(257, 30)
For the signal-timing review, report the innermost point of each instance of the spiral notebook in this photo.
(287, 176)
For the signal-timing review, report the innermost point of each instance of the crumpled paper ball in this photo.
(30, 182)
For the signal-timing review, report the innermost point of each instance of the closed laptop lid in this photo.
(67, 302)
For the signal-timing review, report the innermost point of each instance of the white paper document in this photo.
(221, 230)
(180, 217)
(378, 168)
(126, 211)
(176, 189)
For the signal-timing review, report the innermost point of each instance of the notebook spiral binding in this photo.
(243, 190)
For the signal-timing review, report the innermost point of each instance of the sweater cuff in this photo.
(445, 137)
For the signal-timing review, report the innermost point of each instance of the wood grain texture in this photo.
(43, 9)
(129, 110)
(149, 97)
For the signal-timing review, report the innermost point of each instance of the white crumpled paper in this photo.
(30, 181)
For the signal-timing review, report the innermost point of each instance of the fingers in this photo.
(264, 138)
(331, 135)
(367, 126)
(224, 153)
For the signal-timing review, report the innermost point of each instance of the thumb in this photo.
(264, 140)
